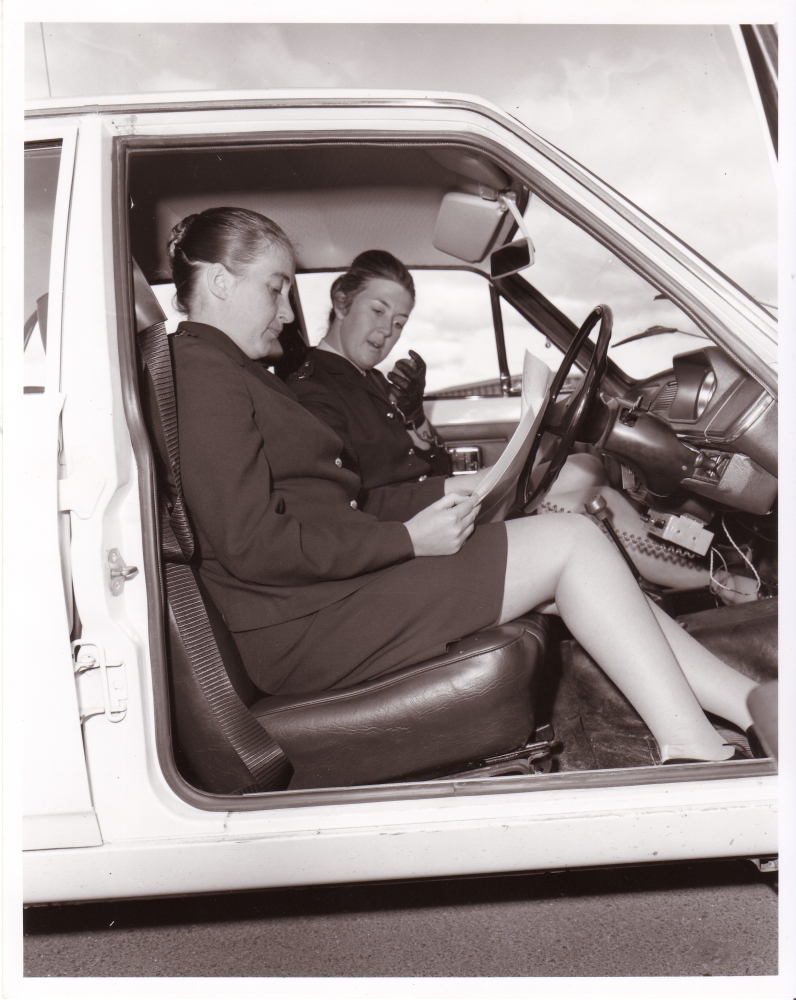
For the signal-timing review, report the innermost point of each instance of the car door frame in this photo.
(123, 145)
(164, 836)
(58, 809)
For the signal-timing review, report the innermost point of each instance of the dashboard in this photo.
(703, 428)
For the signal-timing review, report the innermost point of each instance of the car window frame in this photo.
(67, 134)
(560, 199)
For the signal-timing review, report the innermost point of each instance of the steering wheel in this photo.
(566, 420)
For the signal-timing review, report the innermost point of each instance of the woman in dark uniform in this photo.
(320, 592)
(386, 436)
(385, 433)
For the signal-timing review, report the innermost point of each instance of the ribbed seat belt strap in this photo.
(262, 755)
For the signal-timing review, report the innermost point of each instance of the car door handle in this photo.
(464, 458)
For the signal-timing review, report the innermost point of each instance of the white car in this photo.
(122, 798)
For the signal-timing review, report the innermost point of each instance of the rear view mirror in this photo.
(510, 258)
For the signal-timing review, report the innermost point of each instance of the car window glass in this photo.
(451, 325)
(42, 163)
(313, 289)
(576, 273)
(165, 296)
(520, 336)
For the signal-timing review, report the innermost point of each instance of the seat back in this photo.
(221, 742)
(294, 347)
(474, 701)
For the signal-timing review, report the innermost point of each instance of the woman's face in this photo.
(257, 306)
(373, 323)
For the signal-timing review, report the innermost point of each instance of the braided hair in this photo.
(234, 237)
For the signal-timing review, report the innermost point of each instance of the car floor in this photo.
(594, 724)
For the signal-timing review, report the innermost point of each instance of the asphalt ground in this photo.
(705, 919)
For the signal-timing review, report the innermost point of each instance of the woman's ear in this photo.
(219, 281)
(340, 304)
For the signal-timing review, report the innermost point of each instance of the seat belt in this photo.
(262, 755)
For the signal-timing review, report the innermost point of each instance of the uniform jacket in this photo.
(282, 528)
(376, 443)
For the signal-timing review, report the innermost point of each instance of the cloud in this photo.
(662, 113)
(673, 128)
(92, 59)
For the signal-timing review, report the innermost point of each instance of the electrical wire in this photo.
(743, 555)
(717, 583)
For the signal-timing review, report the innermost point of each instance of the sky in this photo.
(661, 112)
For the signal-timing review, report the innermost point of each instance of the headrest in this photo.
(147, 307)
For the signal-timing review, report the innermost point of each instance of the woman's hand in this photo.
(441, 529)
(409, 379)
(466, 485)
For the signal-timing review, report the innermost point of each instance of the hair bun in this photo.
(178, 235)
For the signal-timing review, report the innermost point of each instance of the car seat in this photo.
(472, 703)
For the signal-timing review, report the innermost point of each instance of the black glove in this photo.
(409, 379)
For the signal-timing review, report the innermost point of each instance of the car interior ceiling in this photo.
(336, 200)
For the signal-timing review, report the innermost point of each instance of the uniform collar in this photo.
(324, 345)
(225, 344)
(215, 337)
(340, 367)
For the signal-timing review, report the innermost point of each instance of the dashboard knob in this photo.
(596, 506)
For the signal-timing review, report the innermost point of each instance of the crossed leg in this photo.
(566, 559)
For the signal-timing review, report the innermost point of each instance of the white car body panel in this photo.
(152, 841)
(57, 806)
(449, 836)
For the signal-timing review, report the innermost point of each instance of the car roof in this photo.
(334, 199)
(219, 100)
(198, 99)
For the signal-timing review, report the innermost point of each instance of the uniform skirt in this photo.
(405, 615)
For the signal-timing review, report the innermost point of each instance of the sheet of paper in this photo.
(536, 379)
(496, 492)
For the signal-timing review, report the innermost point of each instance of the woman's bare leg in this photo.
(660, 565)
(582, 473)
(567, 559)
(718, 688)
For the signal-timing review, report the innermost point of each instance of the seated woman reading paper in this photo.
(385, 433)
(320, 592)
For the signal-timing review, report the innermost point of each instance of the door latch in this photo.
(101, 686)
(119, 573)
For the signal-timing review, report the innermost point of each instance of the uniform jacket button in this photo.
(390, 413)
(421, 478)
(339, 463)
(354, 504)
(411, 451)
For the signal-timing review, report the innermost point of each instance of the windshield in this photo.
(576, 273)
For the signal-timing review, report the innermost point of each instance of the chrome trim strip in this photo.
(516, 784)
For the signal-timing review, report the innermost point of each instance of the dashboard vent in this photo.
(664, 398)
